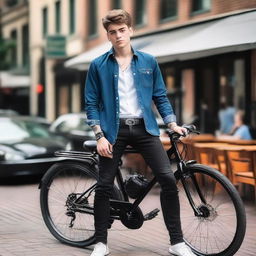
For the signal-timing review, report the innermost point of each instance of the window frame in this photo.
(116, 4)
(143, 13)
(167, 18)
(58, 17)
(92, 19)
(45, 21)
(25, 46)
(72, 21)
(202, 10)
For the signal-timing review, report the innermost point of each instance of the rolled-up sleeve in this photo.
(92, 96)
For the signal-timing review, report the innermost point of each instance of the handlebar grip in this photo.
(174, 135)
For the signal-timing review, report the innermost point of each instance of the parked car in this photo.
(27, 146)
(8, 112)
(74, 127)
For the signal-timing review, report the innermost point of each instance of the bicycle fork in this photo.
(196, 210)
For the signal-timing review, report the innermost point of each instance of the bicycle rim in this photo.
(63, 185)
(222, 228)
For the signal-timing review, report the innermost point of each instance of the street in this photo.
(22, 231)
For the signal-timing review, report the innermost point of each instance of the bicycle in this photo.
(212, 212)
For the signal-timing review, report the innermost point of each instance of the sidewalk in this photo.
(22, 231)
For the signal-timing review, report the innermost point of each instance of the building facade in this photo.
(15, 80)
(57, 33)
(198, 84)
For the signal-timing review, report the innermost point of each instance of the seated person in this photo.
(226, 118)
(240, 130)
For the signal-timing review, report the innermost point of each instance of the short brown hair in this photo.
(117, 16)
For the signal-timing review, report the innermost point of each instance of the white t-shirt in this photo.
(128, 98)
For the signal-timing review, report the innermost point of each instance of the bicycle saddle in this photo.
(90, 144)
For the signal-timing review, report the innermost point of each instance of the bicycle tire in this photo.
(61, 182)
(221, 231)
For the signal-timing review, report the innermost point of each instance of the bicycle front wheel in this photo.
(67, 202)
(220, 228)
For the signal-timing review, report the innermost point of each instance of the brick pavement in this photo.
(22, 231)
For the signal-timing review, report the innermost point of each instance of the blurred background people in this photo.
(240, 130)
(226, 118)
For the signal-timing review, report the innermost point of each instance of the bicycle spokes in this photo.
(210, 225)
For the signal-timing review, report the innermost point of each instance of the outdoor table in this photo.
(214, 147)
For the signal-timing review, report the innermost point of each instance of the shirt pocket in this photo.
(146, 76)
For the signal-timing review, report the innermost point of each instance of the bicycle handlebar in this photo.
(175, 136)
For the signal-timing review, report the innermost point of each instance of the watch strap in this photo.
(99, 135)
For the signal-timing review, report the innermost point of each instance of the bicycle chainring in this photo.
(132, 220)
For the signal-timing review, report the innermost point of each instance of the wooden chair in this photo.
(242, 167)
(222, 162)
(206, 156)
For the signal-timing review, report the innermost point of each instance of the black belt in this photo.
(131, 121)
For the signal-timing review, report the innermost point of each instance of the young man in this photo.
(120, 87)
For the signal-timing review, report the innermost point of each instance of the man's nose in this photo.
(118, 34)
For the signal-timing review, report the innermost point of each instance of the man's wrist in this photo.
(96, 129)
(172, 125)
(99, 135)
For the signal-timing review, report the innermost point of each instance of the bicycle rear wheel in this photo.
(221, 228)
(68, 211)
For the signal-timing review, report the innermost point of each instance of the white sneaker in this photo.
(181, 249)
(100, 249)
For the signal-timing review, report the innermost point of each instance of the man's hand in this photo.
(179, 129)
(104, 148)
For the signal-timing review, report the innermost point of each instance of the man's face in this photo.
(119, 35)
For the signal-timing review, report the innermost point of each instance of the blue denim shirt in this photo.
(101, 93)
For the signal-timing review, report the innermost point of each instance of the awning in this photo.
(223, 35)
(8, 80)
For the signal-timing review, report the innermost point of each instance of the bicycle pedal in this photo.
(151, 215)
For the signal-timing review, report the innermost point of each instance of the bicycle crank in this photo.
(132, 220)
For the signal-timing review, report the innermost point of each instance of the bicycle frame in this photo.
(180, 174)
(68, 190)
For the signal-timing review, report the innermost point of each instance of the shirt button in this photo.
(115, 75)
(134, 74)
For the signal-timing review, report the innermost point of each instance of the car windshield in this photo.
(20, 129)
(75, 123)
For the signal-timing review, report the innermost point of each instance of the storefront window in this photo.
(169, 76)
(232, 83)
(188, 97)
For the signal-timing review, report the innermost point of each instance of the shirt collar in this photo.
(111, 52)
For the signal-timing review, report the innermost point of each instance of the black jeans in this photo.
(155, 156)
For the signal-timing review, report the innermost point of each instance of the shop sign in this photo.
(56, 46)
